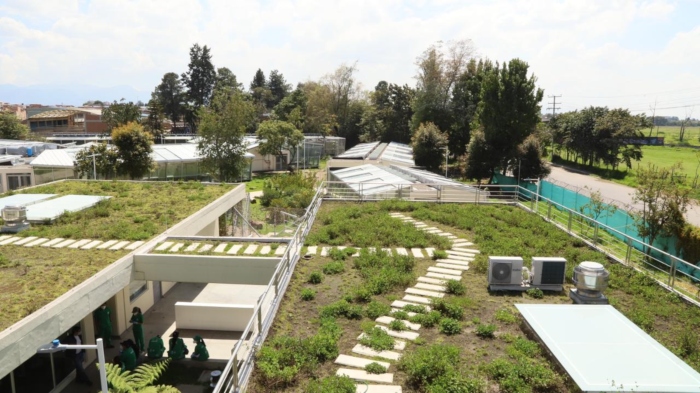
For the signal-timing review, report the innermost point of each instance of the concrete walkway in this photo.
(611, 190)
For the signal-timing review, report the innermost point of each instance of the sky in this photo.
(617, 53)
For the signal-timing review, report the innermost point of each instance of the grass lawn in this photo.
(508, 361)
(672, 135)
(32, 277)
(257, 182)
(136, 211)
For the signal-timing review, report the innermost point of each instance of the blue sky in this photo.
(617, 53)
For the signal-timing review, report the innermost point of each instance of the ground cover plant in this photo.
(30, 278)
(505, 360)
(136, 211)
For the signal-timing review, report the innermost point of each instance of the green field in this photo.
(672, 135)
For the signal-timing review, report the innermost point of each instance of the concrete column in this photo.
(210, 230)
(87, 325)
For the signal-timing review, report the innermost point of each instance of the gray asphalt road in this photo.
(610, 190)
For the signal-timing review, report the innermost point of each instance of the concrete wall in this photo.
(15, 170)
(209, 316)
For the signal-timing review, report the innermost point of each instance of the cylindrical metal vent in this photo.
(591, 279)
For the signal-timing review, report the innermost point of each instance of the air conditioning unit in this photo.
(505, 273)
(548, 273)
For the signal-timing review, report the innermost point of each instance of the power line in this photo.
(553, 104)
(668, 107)
(640, 94)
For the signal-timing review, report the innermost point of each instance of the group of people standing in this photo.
(130, 350)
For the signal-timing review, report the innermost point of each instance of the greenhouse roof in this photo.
(426, 177)
(398, 152)
(369, 179)
(359, 151)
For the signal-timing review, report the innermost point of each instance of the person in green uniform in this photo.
(200, 349)
(128, 356)
(137, 327)
(104, 324)
(155, 348)
(176, 347)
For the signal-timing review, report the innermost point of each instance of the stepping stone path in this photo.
(36, 242)
(135, 245)
(388, 320)
(25, 240)
(192, 247)
(423, 292)
(221, 247)
(63, 243)
(416, 253)
(401, 251)
(265, 250)
(235, 249)
(311, 250)
(281, 249)
(164, 246)
(206, 248)
(251, 249)
(80, 243)
(177, 247)
(352, 361)
(119, 245)
(106, 244)
(91, 245)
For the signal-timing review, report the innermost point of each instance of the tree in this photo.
(664, 202)
(226, 81)
(222, 135)
(121, 113)
(154, 122)
(428, 143)
(199, 81)
(391, 115)
(509, 110)
(171, 96)
(596, 208)
(277, 135)
(480, 160)
(262, 96)
(319, 117)
(133, 150)
(11, 127)
(279, 88)
(105, 162)
(530, 164)
(466, 96)
(343, 89)
(293, 108)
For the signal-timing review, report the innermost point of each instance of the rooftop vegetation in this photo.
(136, 211)
(30, 278)
(471, 341)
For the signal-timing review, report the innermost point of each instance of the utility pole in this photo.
(554, 108)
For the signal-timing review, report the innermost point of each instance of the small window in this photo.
(136, 289)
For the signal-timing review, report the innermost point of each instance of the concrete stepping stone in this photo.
(10, 240)
(281, 249)
(423, 292)
(206, 248)
(452, 237)
(135, 245)
(409, 313)
(388, 320)
(36, 242)
(401, 303)
(164, 246)
(451, 266)
(406, 335)
(265, 250)
(460, 258)
(250, 250)
(430, 251)
(310, 251)
(25, 240)
(431, 229)
(341, 248)
(324, 251)
(221, 247)
(401, 251)
(419, 224)
(429, 280)
(463, 244)
(387, 250)
(434, 231)
(416, 253)
(443, 276)
(64, 243)
(367, 351)
(80, 243)
(431, 287)
(444, 271)
(352, 361)
(177, 247)
(362, 375)
(3, 237)
(467, 250)
(234, 249)
(192, 247)
(445, 234)
(362, 388)
(399, 345)
(91, 245)
(119, 245)
(420, 300)
(454, 262)
(460, 253)
(110, 243)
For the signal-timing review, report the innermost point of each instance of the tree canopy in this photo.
(277, 135)
(121, 113)
(11, 127)
(428, 146)
(199, 80)
(134, 150)
(171, 96)
(104, 163)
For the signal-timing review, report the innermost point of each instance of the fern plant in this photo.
(138, 381)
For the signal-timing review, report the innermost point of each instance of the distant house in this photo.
(51, 120)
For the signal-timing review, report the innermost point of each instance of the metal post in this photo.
(101, 359)
(571, 216)
(53, 371)
(539, 182)
(12, 381)
(549, 211)
(234, 370)
(595, 233)
(447, 154)
(259, 320)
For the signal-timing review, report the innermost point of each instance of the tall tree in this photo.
(279, 88)
(480, 160)
(133, 150)
(319, 117)
(262, 96)
(293, 107)
(171, 97)
(226, 81)
(343, 89)
(199, 81)
(530, 164)
(509, 110)
(121, 113)
(392, 112)
(277, 135)
(11, 127)
(222, 135)
(154, 122)
(428, 146)
(466, 96)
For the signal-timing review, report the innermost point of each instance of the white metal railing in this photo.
(675, 275)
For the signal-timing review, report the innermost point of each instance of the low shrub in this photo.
(341, 308)
(315, 278)
(523, 375)
(362, 295)
(377, 339)
(455, 382)
(687, 343)
(427, 320)
(415, 308)
(523, 347)
(400, 315)
(331, 268)
(455, 287)
(308, 294)
(535, 293)
(332, 384)
(375, 368)
(376, 309)
(397, 325)
(448, 308)
(439, 254)
(485, 330)
(506, 316)
(337, 254)
(450, 326)
(425, 365)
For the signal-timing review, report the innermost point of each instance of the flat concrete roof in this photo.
(603, 351)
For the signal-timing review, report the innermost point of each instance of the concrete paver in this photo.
(401, 303)
(91, 245)
(25, 240)
(401, 251)
(409, 313)
(423, 292)
(110, 243)
(399, 345)
(64, 243)
(176, 247)
(417, 299)
(444, 271)
(205, 248)
(362, 375)
(452, 266)
(353, 361)
(362, 388)
(388, 320)
(192, 247)
(80, 243)
(281, 249)
(431, 287)
(429, 280)
(443, 276)
(265, 250)
(36, 242)
(417, 253)
(324, 251)
(430, 251)
(250, 250)
(10, 240)
(162, 247)
(234, 249)
(120, 245)
(406, 335)
(135, 245)
(221, 247)
(311, 250)
(466, 250)
(367, 351)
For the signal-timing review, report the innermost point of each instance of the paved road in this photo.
(610, 190)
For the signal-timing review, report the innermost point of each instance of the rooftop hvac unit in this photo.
(590, 279)
(505, 273)
(548, 273)
(15, 218)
